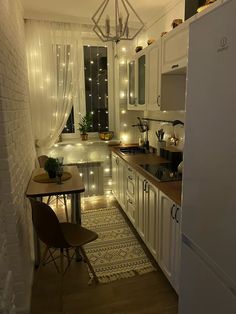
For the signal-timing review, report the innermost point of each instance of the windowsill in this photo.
(92, 139)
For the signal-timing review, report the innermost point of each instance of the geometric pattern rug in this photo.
(117, 253)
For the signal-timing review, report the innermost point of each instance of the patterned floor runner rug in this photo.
(116, 253)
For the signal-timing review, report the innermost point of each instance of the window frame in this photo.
(81, 109)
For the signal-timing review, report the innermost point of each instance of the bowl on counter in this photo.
(106, 136)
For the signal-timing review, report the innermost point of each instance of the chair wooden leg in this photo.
(54, 262)
(61, 262)
(89, 264)
(68, 257)
(66, 211)
(43, 257)
(42, 261)
(61, 279)
(49, 199)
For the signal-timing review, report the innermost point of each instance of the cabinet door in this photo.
(154, 76)
(141, 80)
(169, 239)
(137, 82)
(166, 235)
(140, 224)
(121, 182)
(114, 175)
(175, 48)
(132, 98)
(131, 209)
(151, 220)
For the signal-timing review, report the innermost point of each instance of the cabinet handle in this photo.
(171, 213)
(175, 66)
(177, 209)
(145, 185)
(158, 98)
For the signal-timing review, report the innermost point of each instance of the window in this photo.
(96, 86)
(96, 90)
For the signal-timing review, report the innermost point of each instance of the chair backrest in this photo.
(47, 225)
(42, 159)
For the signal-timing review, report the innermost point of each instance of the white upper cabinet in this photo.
(175, 49)
(132, 98)
(137, 82)
(154, 76)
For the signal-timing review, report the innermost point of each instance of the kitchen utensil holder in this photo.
(160, 144)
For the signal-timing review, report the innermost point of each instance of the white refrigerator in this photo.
(208, 258)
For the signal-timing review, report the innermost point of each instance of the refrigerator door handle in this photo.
(171, 212)
(176, 215)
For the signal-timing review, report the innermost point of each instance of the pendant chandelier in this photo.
(118, 26)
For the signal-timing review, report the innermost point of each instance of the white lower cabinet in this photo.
(130, 190)
(169, 239)
(147, 216)
(155, 216)
(118, 182)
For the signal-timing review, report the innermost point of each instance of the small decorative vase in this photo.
(84, 137)
(52, 174)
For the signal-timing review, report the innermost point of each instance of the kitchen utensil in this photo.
(160, 135)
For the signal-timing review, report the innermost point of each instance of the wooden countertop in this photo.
(171, 189)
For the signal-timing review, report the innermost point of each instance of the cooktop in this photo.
(163, 172)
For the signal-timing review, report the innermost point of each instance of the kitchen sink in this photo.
(132, 150)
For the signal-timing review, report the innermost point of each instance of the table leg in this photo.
(76, 208)
(76, 216)
(37, 251)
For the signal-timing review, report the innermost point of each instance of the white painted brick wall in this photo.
(17, 155)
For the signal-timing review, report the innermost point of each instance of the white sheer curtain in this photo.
(54, 55)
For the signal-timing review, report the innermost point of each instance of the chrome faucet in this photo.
(143, 128)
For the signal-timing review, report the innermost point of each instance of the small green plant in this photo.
(51, 166)
(84, 125)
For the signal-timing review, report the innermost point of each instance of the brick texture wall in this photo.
(17, 156)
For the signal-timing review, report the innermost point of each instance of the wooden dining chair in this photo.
(42, 160)
(62, 236)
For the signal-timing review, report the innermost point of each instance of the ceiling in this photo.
(81, 11)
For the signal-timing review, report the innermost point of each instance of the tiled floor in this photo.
(150, 293)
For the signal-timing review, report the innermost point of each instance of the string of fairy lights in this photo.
(96, 78)
(123, 71)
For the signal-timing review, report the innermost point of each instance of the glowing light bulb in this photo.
(123, 111)
(122, 94)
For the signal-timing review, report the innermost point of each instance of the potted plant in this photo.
(84, 126)
(51, 166)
